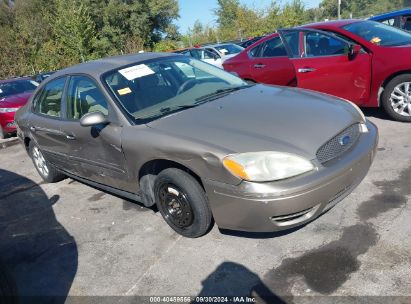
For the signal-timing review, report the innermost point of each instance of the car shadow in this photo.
(38, 257)
(235, 280)
(376, 113)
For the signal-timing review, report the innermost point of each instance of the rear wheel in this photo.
(182, 202)
(43, 167)
(396, 99)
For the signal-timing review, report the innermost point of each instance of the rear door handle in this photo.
(306, 70)
(259, 65)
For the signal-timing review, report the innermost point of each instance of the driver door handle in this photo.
(306, 70)
(33, 129)
(259, 66)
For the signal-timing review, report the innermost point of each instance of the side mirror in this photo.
(354, 50)
(93, 119)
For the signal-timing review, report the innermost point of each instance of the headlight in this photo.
(8, 110)
(266, 166)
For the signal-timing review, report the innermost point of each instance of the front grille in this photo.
(337, 145)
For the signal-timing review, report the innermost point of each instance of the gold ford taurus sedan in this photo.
(198, 142)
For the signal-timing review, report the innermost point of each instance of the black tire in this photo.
(2, 134)
(386, 98)
(51, 175)
(8, 289)
(183, 203)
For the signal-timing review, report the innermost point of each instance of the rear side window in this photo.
(84, 97)
(49, 102)
(273, 48)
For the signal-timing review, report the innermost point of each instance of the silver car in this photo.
(198, 142)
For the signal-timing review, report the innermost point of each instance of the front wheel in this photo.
(182, 202)
(47, 172)
(396, 98)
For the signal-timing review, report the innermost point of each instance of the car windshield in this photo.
(379, 33)
(229, 49)
(160, 87)
(17, 87)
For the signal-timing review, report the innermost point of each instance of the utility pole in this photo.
(339, 9)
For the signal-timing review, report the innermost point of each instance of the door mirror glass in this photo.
(93, 119)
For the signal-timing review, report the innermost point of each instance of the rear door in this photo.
(324, 65)
(45, 122)
(270, 63)
(95, 152)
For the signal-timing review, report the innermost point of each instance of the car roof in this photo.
(391, 14)
(98, 67)
(332, 23)
(218, 44)
(14, 79)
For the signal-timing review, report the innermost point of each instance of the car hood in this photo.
(15, 101)
(263, 118)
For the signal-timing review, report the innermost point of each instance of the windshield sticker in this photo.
(136, 71)
(223, 51)
(376, 40)
(124, 91)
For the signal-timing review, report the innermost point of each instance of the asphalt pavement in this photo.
(69, 239)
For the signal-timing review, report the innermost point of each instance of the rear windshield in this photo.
(17, 87)
(379, 33)
(229, 49)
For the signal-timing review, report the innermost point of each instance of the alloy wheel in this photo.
(400, 99)
(40, 162)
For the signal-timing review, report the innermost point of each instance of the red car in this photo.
(366, 62)
(14, 94)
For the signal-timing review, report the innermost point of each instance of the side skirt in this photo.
(124, 194)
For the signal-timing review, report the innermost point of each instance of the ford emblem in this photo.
(344, 140)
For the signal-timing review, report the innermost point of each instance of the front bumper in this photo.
(280, 205)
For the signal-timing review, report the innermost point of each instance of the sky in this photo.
(192, 10)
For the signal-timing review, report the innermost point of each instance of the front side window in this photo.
(49, 102)
(273, 48)
(379, 33)
(84, 97)
(17, 87)
(318, 44)
(156, 88)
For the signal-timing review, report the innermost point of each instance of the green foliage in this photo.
(165, 46)
(40, 35)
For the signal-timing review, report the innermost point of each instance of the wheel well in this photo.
(27, 143)
(149, 172)
(387, 81)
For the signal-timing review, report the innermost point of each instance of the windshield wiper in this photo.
(219, 93)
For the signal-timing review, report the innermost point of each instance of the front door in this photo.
(270, 63)
(95, 152)
(325, 66)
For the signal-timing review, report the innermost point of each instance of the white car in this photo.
(204, 55)
(214, 54)
(224, 50)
